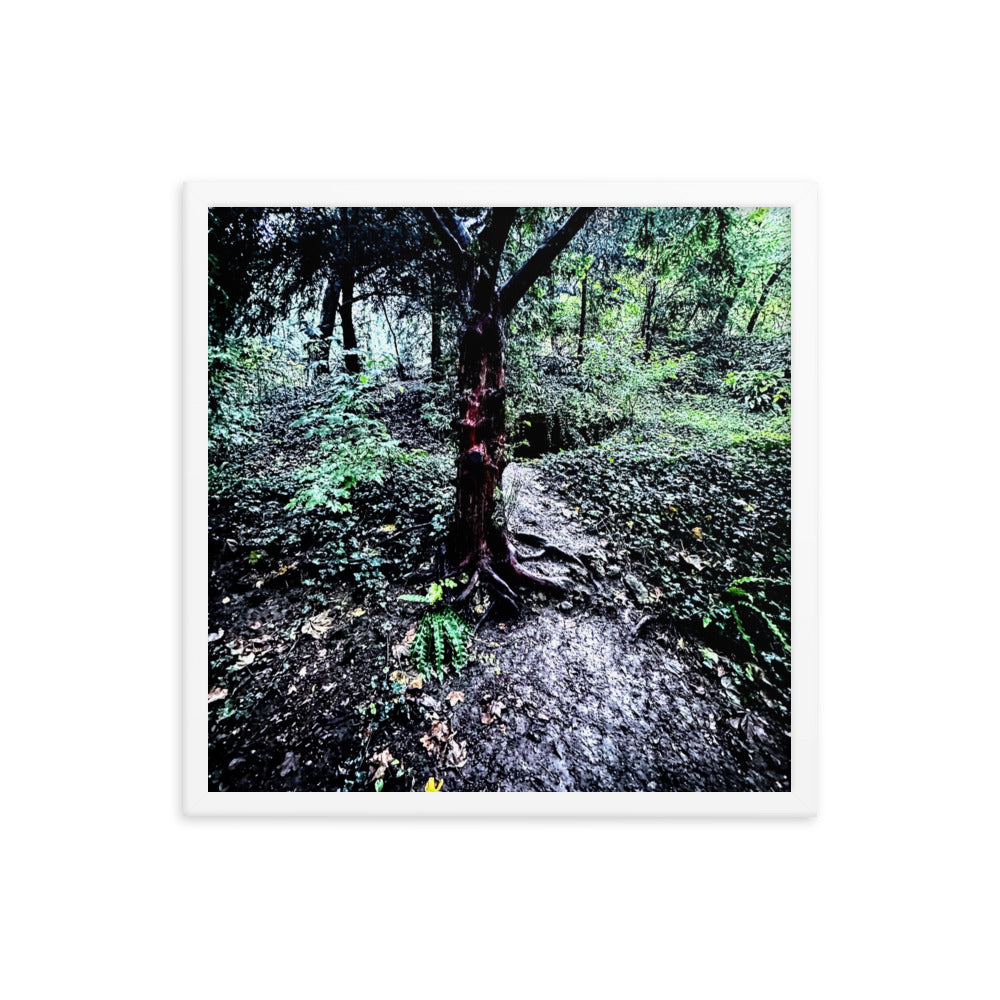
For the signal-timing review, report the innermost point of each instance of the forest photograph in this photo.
(499, 499)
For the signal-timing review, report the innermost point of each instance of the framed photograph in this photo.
(495, 500)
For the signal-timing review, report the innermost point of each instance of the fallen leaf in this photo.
(215, 636)
(383, 760)
(457, 755)
(217, 694)
(454, 698)
(357, 612)
(244, 661)
(318, 625)
(289, 764)
(693, 561)
(388, 528)
(492, 711)
(433, 785)
(407, 680)
(697, 533)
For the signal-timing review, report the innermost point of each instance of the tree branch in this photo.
(448, 235)
(494, 236)
(540, 260)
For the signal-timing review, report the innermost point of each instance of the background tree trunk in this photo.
(647, 319)
(352, 362)
(436, 372)
(722, 316)
(763, 297)
(583, 320)
(327, 321)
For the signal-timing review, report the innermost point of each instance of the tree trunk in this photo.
(400, 370)
(583, 320)
(647, 319)
(481, 437)
(435, 329)
(479, 542)
(763, 297)
(722, 316)
(319, 351)
(352, 362)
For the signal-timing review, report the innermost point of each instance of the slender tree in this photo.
(479, 543)
(761, 302)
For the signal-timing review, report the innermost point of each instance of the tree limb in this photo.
(494, 236)
(444, 232)
(540, 260)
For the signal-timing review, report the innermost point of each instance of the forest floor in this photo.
(593, 690)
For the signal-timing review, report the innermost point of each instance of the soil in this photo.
(586, 691)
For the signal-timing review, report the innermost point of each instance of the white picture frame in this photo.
(801, 196)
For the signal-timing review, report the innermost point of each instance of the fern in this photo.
(441, 643)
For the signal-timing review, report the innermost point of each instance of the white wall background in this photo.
(890, 107)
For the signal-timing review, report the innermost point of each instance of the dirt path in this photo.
(580, 704)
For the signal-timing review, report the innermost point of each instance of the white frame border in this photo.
(802, 800)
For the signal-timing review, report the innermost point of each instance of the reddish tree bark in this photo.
(478, 542)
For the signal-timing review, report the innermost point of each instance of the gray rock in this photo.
(639, 592)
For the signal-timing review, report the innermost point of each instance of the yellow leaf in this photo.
(433, 786)
(388, 528)
(357, 612)
(697, 533)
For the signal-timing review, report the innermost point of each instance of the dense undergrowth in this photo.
(690, 488)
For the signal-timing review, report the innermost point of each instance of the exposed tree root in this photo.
(469, 587)
(543, 582)
(495, 580)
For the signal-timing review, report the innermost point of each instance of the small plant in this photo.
(760, 391)
(441, 643)
(758, 618)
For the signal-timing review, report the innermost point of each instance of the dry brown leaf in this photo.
(217, 694)
(440, 730)
(454, 697)
(383, 760)
(318, 625)
(457, 755)
(492, 711)
(407, 680)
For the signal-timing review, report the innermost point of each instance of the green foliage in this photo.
(754, 603)
(441, 643)
(354, 447)
(760, 390)
(435, 592)
(242, 375)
